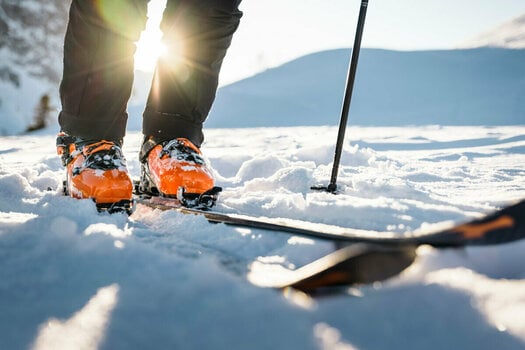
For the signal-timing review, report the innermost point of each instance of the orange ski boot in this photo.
(96, 170)
(177, 169)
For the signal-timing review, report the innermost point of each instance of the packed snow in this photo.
(71, 278)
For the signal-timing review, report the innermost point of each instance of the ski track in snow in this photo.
(73, 278)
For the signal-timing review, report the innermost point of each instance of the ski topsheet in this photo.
(502, 226)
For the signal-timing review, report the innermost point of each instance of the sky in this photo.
(273, 32)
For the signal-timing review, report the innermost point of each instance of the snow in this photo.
(73, 278)
(448, 87)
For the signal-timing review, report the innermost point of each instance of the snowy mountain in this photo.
(447, 87)
(508, 35)
(31, 40)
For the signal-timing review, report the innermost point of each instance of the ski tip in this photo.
(356, 264)
(503, 226)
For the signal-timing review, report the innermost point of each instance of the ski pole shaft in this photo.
(332, 187)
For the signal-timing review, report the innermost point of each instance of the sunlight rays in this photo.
(149, 46)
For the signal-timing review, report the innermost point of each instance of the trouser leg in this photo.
(197, 34)
(98, 66)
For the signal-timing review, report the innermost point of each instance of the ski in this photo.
(368, 256)
(355, 264)
(502, 226)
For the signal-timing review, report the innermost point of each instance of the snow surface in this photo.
(71, 278)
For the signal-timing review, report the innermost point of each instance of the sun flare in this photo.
(149, 46)
(149, 49)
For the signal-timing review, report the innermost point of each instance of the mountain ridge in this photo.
(454, 87)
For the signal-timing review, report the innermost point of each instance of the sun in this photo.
(149, 46)
(149, 49)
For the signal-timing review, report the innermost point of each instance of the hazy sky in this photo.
(276, 31)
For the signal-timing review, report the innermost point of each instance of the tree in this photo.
(42, 114)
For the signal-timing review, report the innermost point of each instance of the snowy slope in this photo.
(72, 278)
(445, 87)
(509, 35)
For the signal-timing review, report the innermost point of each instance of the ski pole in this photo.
(332, 187)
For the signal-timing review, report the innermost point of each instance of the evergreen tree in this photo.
(42, 114)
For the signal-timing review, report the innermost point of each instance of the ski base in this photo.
(356, 264)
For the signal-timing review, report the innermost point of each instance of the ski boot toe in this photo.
(96, 170)
(176, 169)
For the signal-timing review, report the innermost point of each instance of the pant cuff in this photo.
(165, 126)
(88, 129)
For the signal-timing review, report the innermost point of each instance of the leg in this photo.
(197, 34)
(98, 67)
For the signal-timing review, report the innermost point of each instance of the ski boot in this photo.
(177, 169)
(96, 170)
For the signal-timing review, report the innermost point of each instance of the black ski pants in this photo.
(98, 67)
